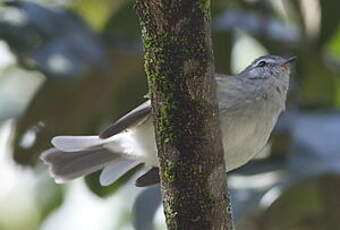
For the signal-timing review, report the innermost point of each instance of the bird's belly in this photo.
(243, 139)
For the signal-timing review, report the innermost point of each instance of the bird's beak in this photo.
(289, 60)
(287, 64)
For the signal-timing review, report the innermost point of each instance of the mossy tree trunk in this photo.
(180, 70)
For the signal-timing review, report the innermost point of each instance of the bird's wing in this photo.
(226, 93)
(231, 93)
(131, 119)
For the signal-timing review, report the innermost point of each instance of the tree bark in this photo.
(180, 70)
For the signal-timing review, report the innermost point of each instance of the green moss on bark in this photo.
(179, 66)
(205, 5)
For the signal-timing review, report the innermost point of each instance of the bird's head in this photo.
(268, 66)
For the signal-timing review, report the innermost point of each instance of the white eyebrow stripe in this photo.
(267, 60)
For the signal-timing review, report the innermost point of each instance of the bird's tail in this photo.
(76, 156)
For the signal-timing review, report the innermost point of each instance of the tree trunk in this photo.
(180, 70)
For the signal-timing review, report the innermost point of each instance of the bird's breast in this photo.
(247, 130)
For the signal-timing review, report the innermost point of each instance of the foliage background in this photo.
(72, 67)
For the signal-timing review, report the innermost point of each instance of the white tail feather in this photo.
(76, 156)
(115, 170)
(65, 166)
(76, 143)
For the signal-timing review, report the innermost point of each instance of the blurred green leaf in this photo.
(311, 205)
(333, 46)
(50, 199)
(96, 13)
(130, 31)
(317, 83)
(330, 19)
(78, 107)
(61, 108)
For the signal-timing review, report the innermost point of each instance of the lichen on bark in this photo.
(179, 65)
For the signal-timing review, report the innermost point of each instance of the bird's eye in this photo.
(261, 64)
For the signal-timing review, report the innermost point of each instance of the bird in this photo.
(249, 105)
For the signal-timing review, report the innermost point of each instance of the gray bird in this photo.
(249, 106)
